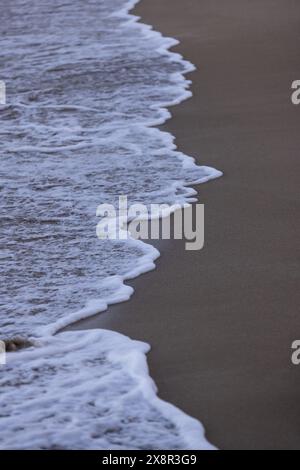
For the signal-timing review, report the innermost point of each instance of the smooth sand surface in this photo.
(221, 321)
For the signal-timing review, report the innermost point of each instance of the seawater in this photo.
(86, 85)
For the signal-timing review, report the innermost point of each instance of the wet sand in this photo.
(221, 321)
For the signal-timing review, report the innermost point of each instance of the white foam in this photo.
(72, 151)
(89, 390)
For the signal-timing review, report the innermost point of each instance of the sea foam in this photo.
(87, 85)
(89, 390)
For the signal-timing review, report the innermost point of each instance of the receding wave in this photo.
(87, 84)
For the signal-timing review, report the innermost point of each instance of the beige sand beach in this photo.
(221, 321)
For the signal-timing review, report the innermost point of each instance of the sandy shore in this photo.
(221, 321)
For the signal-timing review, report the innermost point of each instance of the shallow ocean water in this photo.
(85, 85)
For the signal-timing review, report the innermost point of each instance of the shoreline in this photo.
(221, 321)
